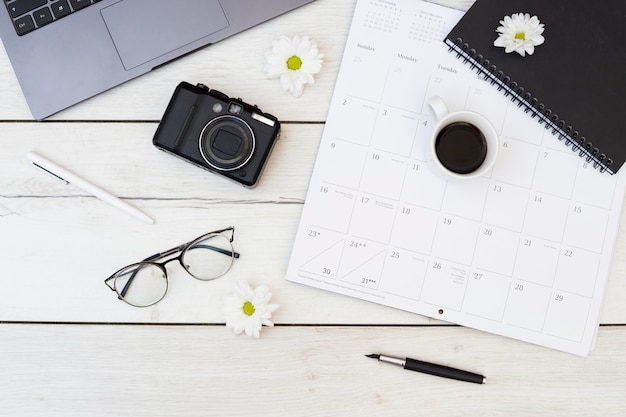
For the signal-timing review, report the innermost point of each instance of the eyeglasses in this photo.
(205, 258)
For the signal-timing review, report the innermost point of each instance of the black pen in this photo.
(431, 368)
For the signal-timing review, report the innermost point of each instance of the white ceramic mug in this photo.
(463, 145)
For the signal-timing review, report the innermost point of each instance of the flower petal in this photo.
(233, 309)
(276, 63)
(520, 32)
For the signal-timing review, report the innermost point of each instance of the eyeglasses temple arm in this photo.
(149, 258)
(172, 251)
(126, 287)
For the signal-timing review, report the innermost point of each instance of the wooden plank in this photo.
(59, 244)
(297, 371)
(121, 158)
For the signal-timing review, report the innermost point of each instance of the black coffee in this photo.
(461, 147)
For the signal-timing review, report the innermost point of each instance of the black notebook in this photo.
(573, 82)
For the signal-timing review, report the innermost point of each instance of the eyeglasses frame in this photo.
(180, 249)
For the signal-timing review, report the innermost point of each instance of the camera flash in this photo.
(262, 119)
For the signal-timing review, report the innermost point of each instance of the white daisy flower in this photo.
(248, 309)
(520, 33)
(295, 61)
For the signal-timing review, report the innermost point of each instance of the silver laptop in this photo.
(64, 51)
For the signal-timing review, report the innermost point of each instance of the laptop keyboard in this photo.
(29, 15)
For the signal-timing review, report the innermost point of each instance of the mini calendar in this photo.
(523, 251)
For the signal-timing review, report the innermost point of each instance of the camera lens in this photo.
(227, 143)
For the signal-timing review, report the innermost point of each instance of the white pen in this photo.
(71, 178)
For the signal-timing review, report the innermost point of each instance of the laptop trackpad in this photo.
(166, 25)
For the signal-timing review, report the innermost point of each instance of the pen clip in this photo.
(51, 173)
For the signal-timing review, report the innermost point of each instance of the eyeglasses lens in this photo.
(141, 284)
(208, 257)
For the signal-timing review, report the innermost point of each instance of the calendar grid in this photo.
(523, 251)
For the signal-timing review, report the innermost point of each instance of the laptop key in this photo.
(19, 7)
(24, 25)
(60, 9)
(22, 12)
(79, 4)
(43, 16)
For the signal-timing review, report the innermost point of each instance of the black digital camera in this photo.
(218, 133)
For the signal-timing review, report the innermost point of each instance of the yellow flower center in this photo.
(294, 63)
(520, 36)
(248, 308)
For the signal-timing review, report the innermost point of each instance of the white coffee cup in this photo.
(463, 145)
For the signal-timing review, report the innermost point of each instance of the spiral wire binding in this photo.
(523, 98)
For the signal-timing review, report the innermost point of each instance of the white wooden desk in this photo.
(68, 347)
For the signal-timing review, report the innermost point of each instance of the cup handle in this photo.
(438, 107)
